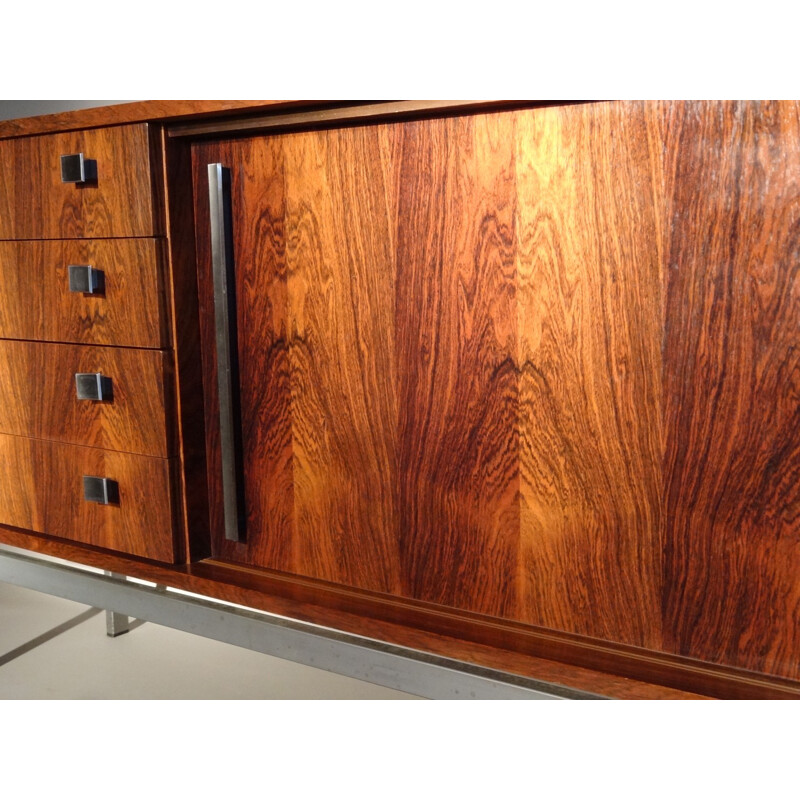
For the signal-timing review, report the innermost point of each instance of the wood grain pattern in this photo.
(589, 306)
(384, 289)
(298, 485)
(621, 279)
(340, 318)
(456, 346)
(732, 386)
(123, 202)
(38, 396)
(36, 302)
(42, 490)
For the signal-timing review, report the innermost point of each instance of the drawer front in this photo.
(39, 396)
(43, 490)
(128, 307)
(35, 203)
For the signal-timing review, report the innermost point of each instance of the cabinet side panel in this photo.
(590, 319)
(732, 387)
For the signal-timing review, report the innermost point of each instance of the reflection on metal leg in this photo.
(116, 624)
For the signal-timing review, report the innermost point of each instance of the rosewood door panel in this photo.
(390, 283)
(732, 386)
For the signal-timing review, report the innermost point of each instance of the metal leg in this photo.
(116, 624)
(393, 666)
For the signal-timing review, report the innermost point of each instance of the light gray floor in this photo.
(57, 649)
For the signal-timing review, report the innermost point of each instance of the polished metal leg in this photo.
(116, 624)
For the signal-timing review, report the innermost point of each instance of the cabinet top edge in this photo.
(204, 113)
(140, 111)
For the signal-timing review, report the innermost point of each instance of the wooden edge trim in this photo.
(381, 616)
(179, 275)
(354, 112)
(141, 111)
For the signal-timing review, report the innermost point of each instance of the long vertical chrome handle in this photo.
(225, 327)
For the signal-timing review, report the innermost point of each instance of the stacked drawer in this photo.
(86, 449)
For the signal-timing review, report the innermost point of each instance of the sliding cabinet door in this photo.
(448, 335)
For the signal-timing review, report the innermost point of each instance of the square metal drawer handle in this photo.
(77, 169)
(86, 279)
(94, 386)
(100, 490)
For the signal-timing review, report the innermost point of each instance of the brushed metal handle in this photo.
(86, 279)
(104, 491)
(76, 168)
(94, 386)
(219, 180)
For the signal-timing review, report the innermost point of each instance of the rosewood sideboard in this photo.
(515, 383)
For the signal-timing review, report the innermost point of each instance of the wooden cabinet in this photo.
(521, 376)
(57, 230)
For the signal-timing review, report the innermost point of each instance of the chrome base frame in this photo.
(392, 666)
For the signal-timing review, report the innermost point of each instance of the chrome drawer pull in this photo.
(77, 169)
(94, 386)
(219, 180)
(100, 490)
(86, 279)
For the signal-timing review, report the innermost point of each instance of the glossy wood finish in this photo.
(732, 385)
(589, 317)
(457, 378)
(38, 396)
(123, 202)
(141, 111)
(475, 358)
(396, 363)
(526, 378)
(36, 302)
(45, 494)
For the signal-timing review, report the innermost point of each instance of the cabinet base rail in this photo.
(392, 666)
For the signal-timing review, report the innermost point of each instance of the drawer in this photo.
(121, 201)
(38, 396)
(43, 490)
(128, 308)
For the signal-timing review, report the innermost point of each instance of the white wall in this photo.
(12, 109)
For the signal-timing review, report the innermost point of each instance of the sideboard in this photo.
(516, 383)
